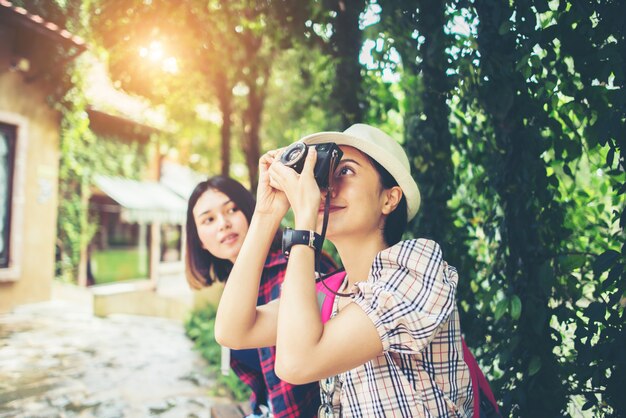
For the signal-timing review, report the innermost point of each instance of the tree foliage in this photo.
(525, 108)
(83, 154)
(226, 51)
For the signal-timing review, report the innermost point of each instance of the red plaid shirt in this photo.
(286, 400)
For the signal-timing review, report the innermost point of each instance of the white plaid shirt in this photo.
(410, 297)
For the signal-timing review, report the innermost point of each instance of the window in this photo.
(7, 164)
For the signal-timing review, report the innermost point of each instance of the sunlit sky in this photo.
(158, 54)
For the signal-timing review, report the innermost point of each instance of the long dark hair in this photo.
(203, 268)
(396, 221)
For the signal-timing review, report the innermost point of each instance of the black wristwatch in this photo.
(293, 237)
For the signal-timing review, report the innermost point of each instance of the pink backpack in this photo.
(485, 405)
(325, 295)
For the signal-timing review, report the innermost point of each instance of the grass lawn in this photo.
(118, 264)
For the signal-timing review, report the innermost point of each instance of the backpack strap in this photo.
(325, 295)
(485, 404)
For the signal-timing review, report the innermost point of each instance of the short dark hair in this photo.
(203, 267)
(396, 221)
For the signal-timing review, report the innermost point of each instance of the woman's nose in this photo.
(331, 191)
(224, 223)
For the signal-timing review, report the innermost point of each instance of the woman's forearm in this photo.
(238, 323)
(299, 323)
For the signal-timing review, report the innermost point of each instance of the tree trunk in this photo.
(428, 138)
(252, 119)
(518, 174)
(225, 99)
(251, 139)
(347, 95)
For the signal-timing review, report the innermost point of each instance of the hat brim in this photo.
(400, 172)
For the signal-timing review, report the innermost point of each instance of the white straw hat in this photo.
(383, 149)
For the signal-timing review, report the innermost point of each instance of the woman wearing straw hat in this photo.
(393, 346)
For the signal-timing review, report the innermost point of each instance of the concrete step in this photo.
(170, 298)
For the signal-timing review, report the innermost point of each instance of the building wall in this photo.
(35, 195)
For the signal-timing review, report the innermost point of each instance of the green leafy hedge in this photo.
(200, 328)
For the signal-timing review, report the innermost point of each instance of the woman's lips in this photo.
(330, 210)
(229, 239)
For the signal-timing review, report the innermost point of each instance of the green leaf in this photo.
(596, 311)
(570, 263)
(604, 261)
(501, 308)
(535, 61)
(613, 276)
(610, 156)
(516, 307)
(546, 276)
(567, 170)
(588, 405)
(534, 366)
(505, 27)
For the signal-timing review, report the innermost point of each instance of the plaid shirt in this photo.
(410, 297)
(286, 400)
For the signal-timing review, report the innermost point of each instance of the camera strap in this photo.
(318, 251)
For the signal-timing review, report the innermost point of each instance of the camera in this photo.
(328, 156)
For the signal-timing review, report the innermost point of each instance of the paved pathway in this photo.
(57, 360)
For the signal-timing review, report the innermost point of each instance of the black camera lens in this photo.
(294, 156)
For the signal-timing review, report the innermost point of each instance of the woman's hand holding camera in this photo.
(302, 190)
(270, 200)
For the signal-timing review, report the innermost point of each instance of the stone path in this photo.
(57, 360)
